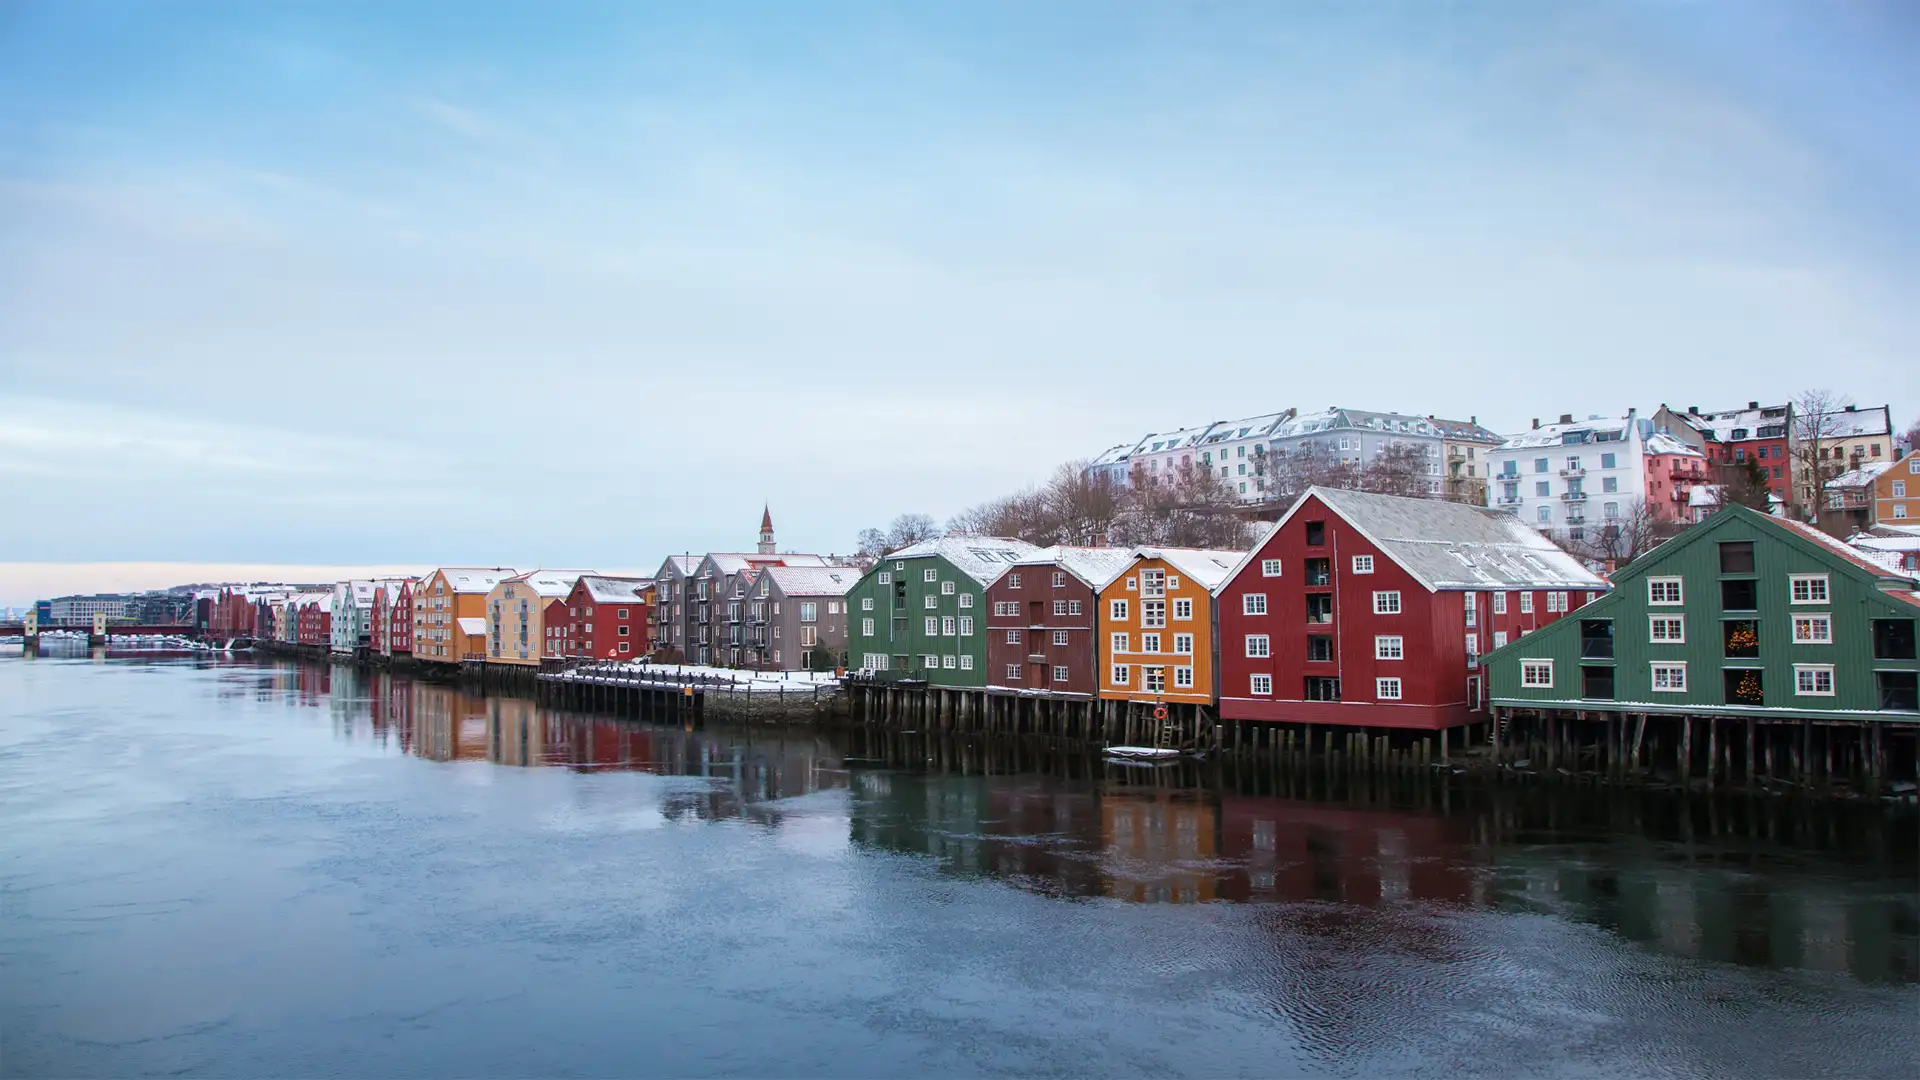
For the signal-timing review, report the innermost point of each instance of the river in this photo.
(230, 868)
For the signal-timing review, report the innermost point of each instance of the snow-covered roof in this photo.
(1662, 443)
(813, 580)
(1850, 423)
(1252, 427)
(1206, 566)
(1884, 543)
(1720, 426)
(981, 558)
(324, 599)
(1093, 565)
(1886, 564)
(1862, 477)
(1344, 419)
(1163, 442)
(732, 562)
(1466, 431)
(1114, 455)
(682, 564)
(552, 583)
(1703, 495)
(475, 579)
(613, 590)
(472, 624)
(1556, 434)
(1449, 545)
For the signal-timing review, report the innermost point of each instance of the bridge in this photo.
(19, 629)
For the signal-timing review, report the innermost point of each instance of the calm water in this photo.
(241, 870)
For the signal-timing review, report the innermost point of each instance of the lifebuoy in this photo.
(1159, 712)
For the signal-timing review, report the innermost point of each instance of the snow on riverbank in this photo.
(769, 682)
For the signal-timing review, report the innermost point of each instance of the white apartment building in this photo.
(1357, 437)
(1560, 477)
(1234, 449)
(77, 610)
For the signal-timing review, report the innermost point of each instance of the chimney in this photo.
(1473, 419)
(1753, 404)
(1536, 423)
(1566, 418)
(1850, 408)
(1693, 410)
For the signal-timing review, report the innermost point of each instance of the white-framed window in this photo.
(966, 626)
(1363, 564)
(966, 599)
(1013, 637)
(1133, 584)
(1183, 678)
(1060, 673)
(1117, 610)
(1473, 608)
(1073, 607)
(1153, 680)
(866, 603)
(1669, 677)
(1118, 643)
(1059, 579)
(948, 661)
(1258, 645)
(1183, 610)
(1006, 608)
(946, 588)
(1499, 639)
(1473, 649)
(1667, 629)
(1269, 567)
(1261, 685)
(1386, 688)
(948, 627)
(1386, 603)
(1120, 675)
(1813, 680)
(930, 661)
(1153, 582)
(1537, 674)
(966, 663)
(866, 627)
(1253, 603)
(808, 611)
(1808, 588)
(1013, 581)
(1153, 613)
(886, 578)
(873, 661)
(1526, 603)
(1389, 647)
(1059, 637)
(1813, 629)
(930, 574)
(1059, 607)
(1664, 590)
(1499, 603)
(1013, 672)
(932, 602)
(1183, 644)
(933, 625)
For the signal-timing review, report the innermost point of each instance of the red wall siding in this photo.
(603, 641)
(1079, 656)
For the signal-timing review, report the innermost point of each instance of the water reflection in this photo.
(1770, 884)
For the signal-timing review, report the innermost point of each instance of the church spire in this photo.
(766, 530)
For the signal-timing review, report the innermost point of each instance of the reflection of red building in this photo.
(606, 618)
(392, 621)
(1288, 850)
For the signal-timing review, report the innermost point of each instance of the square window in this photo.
(1059, 607)
(1118, 643)
(932, 601)
(1536, 674)
(1261, 685)
(886, 578)
(1059, 579)
(947, 661)
(1183, 678)
(1183, 644)
(1269, 567)
(1257, 645)
(930, 574)
(1388, 647)
(946, 588)
(1013, 637)
(1118, 610)
(1363, 564)
(1060, 637)
(1060, 674)
(1013, 672)
(1183, 610)
(1386, 689)
(1813, 680)
(1808, 588)
(1073, 607)
(1153, 613)
(966, 663)
(1386, 603)
(966, 600)
(1120, 677)
(1253, 604)
(1670, 678)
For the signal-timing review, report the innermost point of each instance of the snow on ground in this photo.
(769, 682)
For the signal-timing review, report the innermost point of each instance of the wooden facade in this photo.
(1042, 620)
(1157, 626)
(917, 614)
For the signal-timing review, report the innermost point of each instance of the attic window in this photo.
(1316, 533)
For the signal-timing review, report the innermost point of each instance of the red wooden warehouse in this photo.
(1371, 610)
(1043, 620)
(606, 618)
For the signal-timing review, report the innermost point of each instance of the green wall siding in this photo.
(911, 639)
(1854, 601)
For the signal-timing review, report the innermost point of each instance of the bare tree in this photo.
(1816, 421)
(872, 544)
(1084, 504)
(1398, 469)
(1743, 483)
(1617, 541)
(1911, 440)
(1189, 506)
(908, 529)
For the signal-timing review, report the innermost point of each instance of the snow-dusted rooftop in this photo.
(1850, 422)
(1449, 545)
(813, 580)
(1862, 477)
(685, 565)
(1207, 567)
(1721, 426)
(1884, 563)
(732, 562)
(1466, 431)
(981, 558)
(1556, 434)
(552, 584)
(474, 579)
(472, 624)
(1662, 443)
(1093, 565)
(613, 590)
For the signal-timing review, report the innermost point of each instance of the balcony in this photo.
(1507, 500)
(1677, 473)
(1573, 472)
(1573, 496)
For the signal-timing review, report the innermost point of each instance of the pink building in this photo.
(1674, 469)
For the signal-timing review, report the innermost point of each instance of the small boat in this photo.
(1142, 753)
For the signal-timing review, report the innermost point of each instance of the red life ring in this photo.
(1159, 712)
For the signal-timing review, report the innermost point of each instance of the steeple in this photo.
(766, 531)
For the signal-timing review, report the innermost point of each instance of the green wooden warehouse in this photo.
(1748, 647)
(919, 614)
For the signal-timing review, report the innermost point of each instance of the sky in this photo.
(588, 284)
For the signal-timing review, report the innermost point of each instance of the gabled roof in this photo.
(981, 558)
(1205, 566)
(813, 580)
(684, 565)
(1851, 423)
(1466, 431)
(551, 584)
(1720, 426)
(1113, 455)
(1555, 434)
(1864, 558)
(1094, 566)
(1449, 545)
(475, 579)
(1862, 477)
(1662, 443)
(613, 590)
(732, 562)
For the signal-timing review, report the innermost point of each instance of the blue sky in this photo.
(583, 284)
